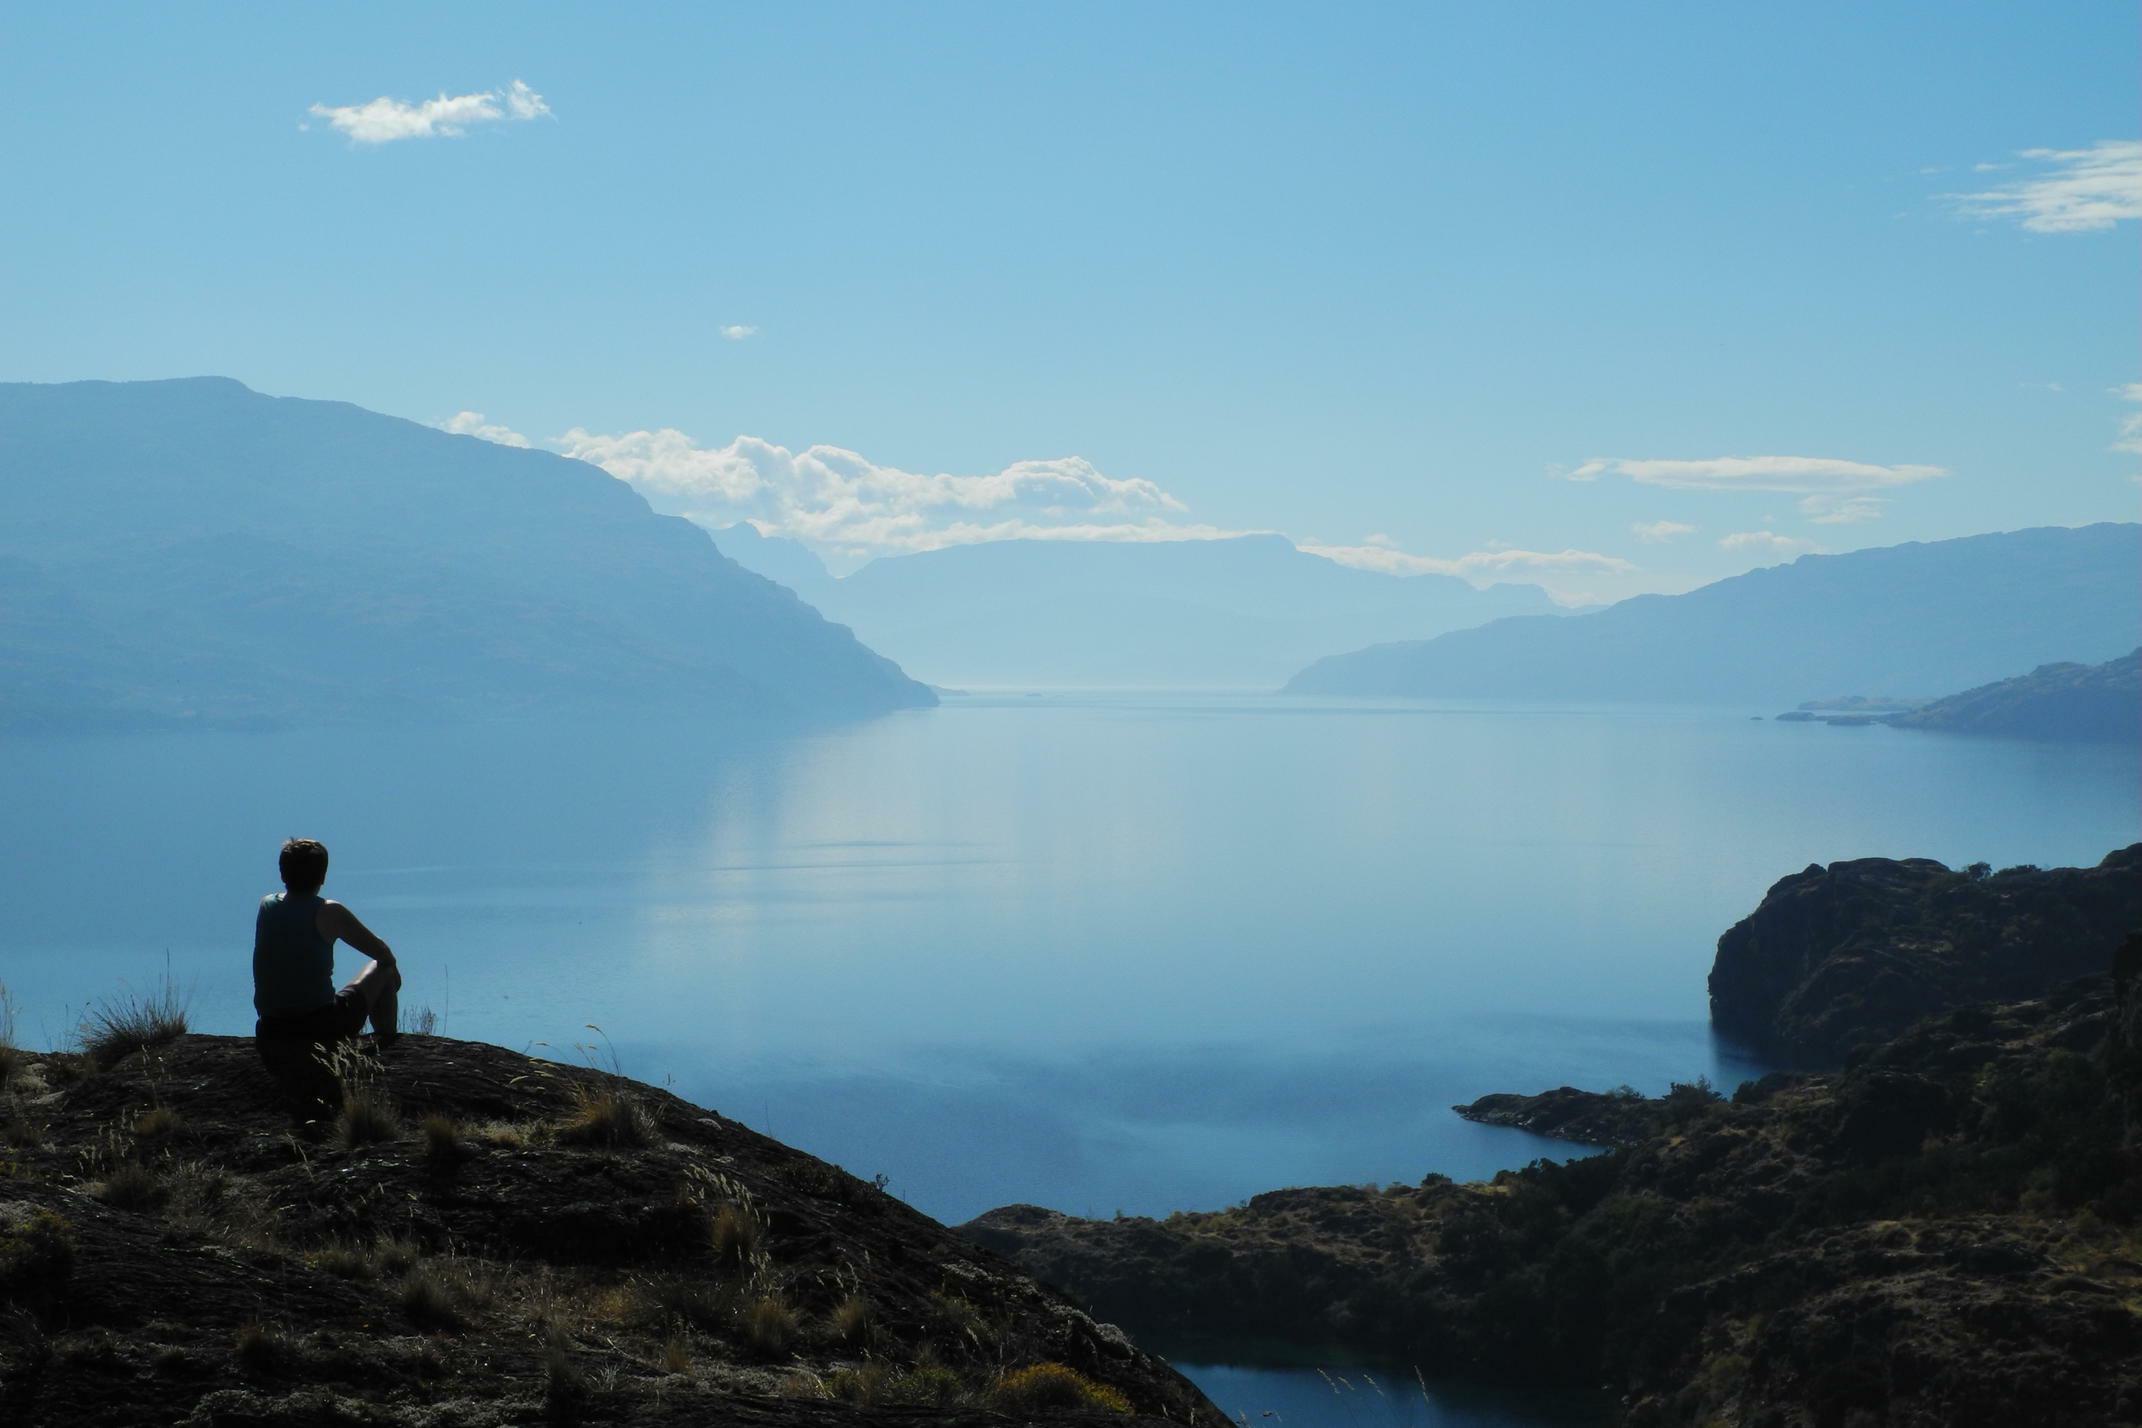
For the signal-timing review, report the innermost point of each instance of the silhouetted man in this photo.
(294, 967)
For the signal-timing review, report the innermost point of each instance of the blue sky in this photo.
(1340, 272)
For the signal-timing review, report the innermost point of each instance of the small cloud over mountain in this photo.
(1794, 474)
(1766, 543)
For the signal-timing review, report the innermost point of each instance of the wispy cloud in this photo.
(2130, 422)
(385, 120)
(1766, 543)
(1480, 566)
(473, 424)
(2066, 190)
(1796, 475)
(738, 331)
(1838, 510)
(1659, 532)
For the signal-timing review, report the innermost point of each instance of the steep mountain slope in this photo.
(192, 550)
(1235, 613)
(2100, 702)
(1906, 619)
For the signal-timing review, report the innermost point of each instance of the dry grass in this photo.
(431, 1303)
(443, 1146)
(264, 1351)
(852, 1321)
(1041, 1388)
(131, 1186)
(677, 1353)
(604, 1117)
(343, 1262)
(367, 1117)
(566, 1390)
(770, 1327)
(737, 1236)
(503, 1135)
(157, 1122)
(12, 1057)
(116, 1028)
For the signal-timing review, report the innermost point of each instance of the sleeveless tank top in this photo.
(293, 965)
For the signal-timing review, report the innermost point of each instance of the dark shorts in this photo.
(340, 1020)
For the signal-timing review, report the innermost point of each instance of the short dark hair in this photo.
(303, 863)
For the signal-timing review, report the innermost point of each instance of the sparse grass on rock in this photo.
(117, 1027)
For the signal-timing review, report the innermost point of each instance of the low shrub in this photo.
(431, 1303)
(157, 1122)
(1042, 1388)
(443, 1146)
(36, 1257)
(851, 1322)
(737, 1236)
(676, 1353)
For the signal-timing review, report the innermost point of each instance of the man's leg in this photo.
(379, 985)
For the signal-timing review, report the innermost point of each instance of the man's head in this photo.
(304, 865)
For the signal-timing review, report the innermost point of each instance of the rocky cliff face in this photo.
(481, 1239)
(1840, 957)
(1945, 1234)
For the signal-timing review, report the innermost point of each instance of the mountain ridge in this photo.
(1921, 615)
(193, 552)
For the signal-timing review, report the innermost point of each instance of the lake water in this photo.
(1102, 953)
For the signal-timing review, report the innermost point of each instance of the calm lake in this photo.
(1102, 953)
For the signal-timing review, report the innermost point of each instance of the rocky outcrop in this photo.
(1941, 1235)
(479, 1239)
(2084, 702)
(1612, 1118)
(1839, 957)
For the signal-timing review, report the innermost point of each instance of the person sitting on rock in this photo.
(294, 970)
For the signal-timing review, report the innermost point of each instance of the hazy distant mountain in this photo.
(2053, 701)
(1908, 618)
(194, 550)
(785, 562)
(1240, 613)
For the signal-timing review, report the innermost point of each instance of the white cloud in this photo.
(1766, 543)
(842, 500)
(2070, 190)
(384, 120)
(2130, 422)
(472, 424)
(1794, 474)
(1480, 566)
(1829, 509)
(738, 331)
(1659, 532)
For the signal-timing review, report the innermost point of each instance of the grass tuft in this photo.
(677, 1353)
(157, 1122)
(366, 1118)
(737, 1235)
(131, 1186)
(1042, 1388)
(264, 1351)
(770, 1327)
(566, 1390)
(606, 1117)
(431, 1303)
(443, 1146)
(852, 1321)
(118, 1027)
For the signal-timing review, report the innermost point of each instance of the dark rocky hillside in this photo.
(1946, 1234)
(1840, 957)
(191, 552)
(2096, 702)
(485, 1239)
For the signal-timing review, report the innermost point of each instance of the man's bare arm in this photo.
(338, 921)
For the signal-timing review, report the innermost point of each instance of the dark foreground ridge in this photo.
(1945, 1234)
(1845, 956)
(483, 1238)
